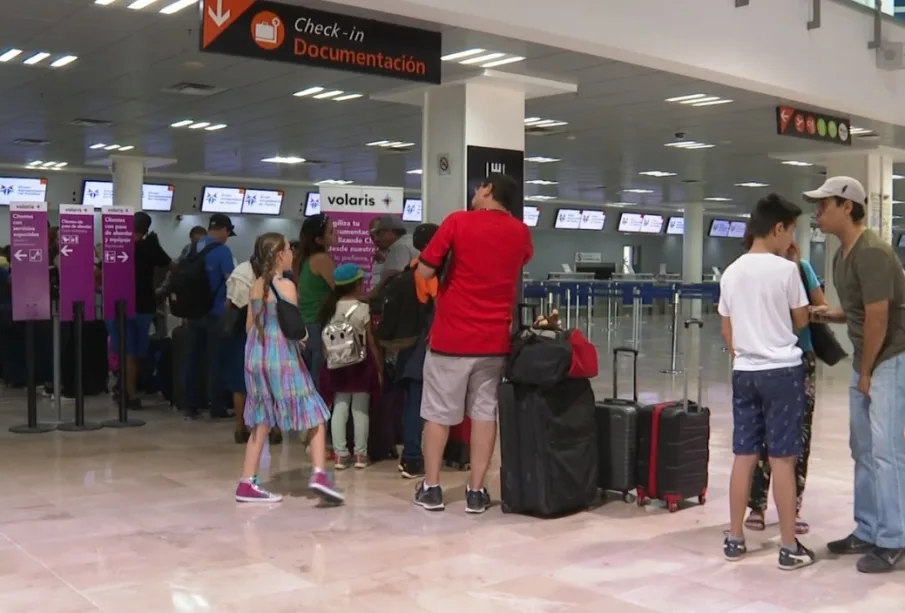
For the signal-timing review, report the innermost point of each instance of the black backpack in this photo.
(403, 317)
(190, 293)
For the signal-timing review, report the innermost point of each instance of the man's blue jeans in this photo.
(877, 440)
(204, 348)
(412, 424)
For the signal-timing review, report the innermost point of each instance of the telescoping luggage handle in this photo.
(634, 353)
(689, 324)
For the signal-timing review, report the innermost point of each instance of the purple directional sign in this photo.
(76, 260)
(30, 266)
(118, 244)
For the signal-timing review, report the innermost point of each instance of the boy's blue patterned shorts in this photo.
(767, 408)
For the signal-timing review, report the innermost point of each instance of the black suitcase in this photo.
(179, 353)
(617, 434)
(548, 445)
(674, 447)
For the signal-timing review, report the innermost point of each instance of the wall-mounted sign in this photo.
(285, 33)
(482, 161)
(813, 126)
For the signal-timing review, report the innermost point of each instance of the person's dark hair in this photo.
(768, 213)
(313, 228)
(6, 251)
(503, 188)
(142, 223)
(197, 231)
(328, 306)
(423, 235)
(858, 208)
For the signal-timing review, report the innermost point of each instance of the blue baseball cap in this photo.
(346, 274)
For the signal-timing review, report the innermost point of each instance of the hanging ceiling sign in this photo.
(298, 35)
(813, 126)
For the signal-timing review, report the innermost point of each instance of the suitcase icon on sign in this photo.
(267, 32)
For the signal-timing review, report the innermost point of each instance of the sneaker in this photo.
(342, 462)
(734, 550)
(321, 483)
(793, 559)
(411, 469)
(880, 560)
(476, 501)
(850, 545)
(430, 499)
(361, 460)
(251, 491)
(135, 404)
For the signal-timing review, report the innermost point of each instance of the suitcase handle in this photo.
(521, 309)
(634, 352)
(690, 324)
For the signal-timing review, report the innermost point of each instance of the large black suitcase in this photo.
(674, 446)
(617, 437)
(548, 444)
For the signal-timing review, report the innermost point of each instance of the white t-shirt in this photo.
(238, 285)
(359, 317)
(757, 293)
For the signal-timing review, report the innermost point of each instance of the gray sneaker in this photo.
(430, 499)
(793, 559)
(477, 501)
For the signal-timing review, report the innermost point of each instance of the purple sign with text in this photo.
(30, 270)
(118, 267)
(76, 260)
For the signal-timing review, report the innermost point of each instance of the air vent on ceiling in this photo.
(91, 123)
(542, 131)
(392, 151)
(690, 181)
(193, 89)
(31, 142)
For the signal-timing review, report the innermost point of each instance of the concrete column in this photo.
(803, 235)
(128, 179)
(693, 250)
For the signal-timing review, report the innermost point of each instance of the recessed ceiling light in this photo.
(59, 165)
(796, 163)
(482, 58)
(637, 191)
(713, 102)
(199, 125)
(390, 144)
(686, 98)
(284, 160)
(718, 199)
(177, 6)
(104, 2)
(98, 146)
(47, 165)
(127, 148)
(417, 171)
(35, 163)
(541, 182)
(898, 201)
(215, 127)
(36, 58)
(897, 177)
(540, 198)
(308, 92)
(111, 147)
(689, 145)
(624, 204)
(539, 159)
(859, 131)
(657, 173)
(461, 55)
(699, 100)
(10, 54)
(333, 182)
(506, 60)
(347, 97)
(752, 184)
(140, 4)
(330, 94)
(537, 122)
(182, 124)
(63, 61)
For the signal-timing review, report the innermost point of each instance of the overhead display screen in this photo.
(262, 202)
(737, 229)
(312, 204)
(531, 215)
(22, 189)
(676, 225)
(592, 220)
(154, 196)
(902, 241)
(412, 210)
(631, 222)
(567, 219)
(652, 224)
(227, 200)
(719, 228)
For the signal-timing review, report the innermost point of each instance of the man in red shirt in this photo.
(483, 252)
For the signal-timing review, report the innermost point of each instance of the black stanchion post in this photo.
(123, 420)
(32, 427)
(79, 425)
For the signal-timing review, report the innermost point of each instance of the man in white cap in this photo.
(871, 287)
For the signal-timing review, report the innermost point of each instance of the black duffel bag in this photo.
(541, 358)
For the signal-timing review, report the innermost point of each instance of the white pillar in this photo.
(693, 250)
(456, 117)
(803, 235)
(128, 178)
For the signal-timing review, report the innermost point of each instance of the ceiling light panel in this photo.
(657, 173)
(333, 182)
(541, 182)
(539, 159)
(284, 160)
(718, 199)
(689, 145)
(854, 131)
(390, 144)
(10, 54)
(321, 93)
(482, 58)
(47, 165)
(752, 184)
(797, 163)
(191, 124)
(699, 100)
(539, 197)
(637, 191)
(539, 122)
(417, 171)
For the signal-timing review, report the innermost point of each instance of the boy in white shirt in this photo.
(762, 304)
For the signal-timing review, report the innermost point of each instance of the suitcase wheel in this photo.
(628, 497)
(702, 499)
(641, 500)
(673, 506)
(505, 508)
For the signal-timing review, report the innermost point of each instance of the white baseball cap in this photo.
(845, 188)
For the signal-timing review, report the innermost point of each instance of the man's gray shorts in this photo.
(455, 386)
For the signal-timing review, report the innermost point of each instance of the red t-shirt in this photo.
(476, 301)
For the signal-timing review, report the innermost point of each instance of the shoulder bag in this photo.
(826, 347)
(289, 317)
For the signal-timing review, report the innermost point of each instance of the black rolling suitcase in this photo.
(548, 445)
(617, 432)
(179, 353)
(674, 446)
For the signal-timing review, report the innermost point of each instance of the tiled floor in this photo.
(143, 520)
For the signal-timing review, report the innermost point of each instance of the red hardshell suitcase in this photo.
(457, 454)
(674, 447)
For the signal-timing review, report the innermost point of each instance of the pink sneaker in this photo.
(321, 483)
(361, 460)
(250, 491)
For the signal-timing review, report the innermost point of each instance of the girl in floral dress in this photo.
(281, 393)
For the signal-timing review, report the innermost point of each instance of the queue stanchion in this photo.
(31, 426)
(636, 317)
(79, 424)
(590, 316)
(568, 308)
(676, 309)
(122, 420)
(57, 359)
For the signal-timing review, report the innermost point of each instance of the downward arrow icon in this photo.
(219, 17)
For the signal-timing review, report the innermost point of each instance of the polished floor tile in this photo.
(143, 519)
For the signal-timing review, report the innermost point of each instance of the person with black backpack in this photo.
(197, 293)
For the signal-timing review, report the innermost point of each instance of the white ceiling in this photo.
(618, 122)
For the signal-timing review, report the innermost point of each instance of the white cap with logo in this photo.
(845, 188)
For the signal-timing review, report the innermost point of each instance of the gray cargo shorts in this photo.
(456, 386)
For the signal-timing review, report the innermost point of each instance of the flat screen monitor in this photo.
(592, 220)
(227, 200)
(412, 210)
(567, 219)
(676, 225)
(631, 222)
(902, 241)
(312, 204)
(22, 189)
(652, 224)
(719, 228)
(737, 229)
(97, 193)
(262, 202)
(154, 196)
(531, 215)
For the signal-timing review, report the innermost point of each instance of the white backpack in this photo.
(343, 344)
